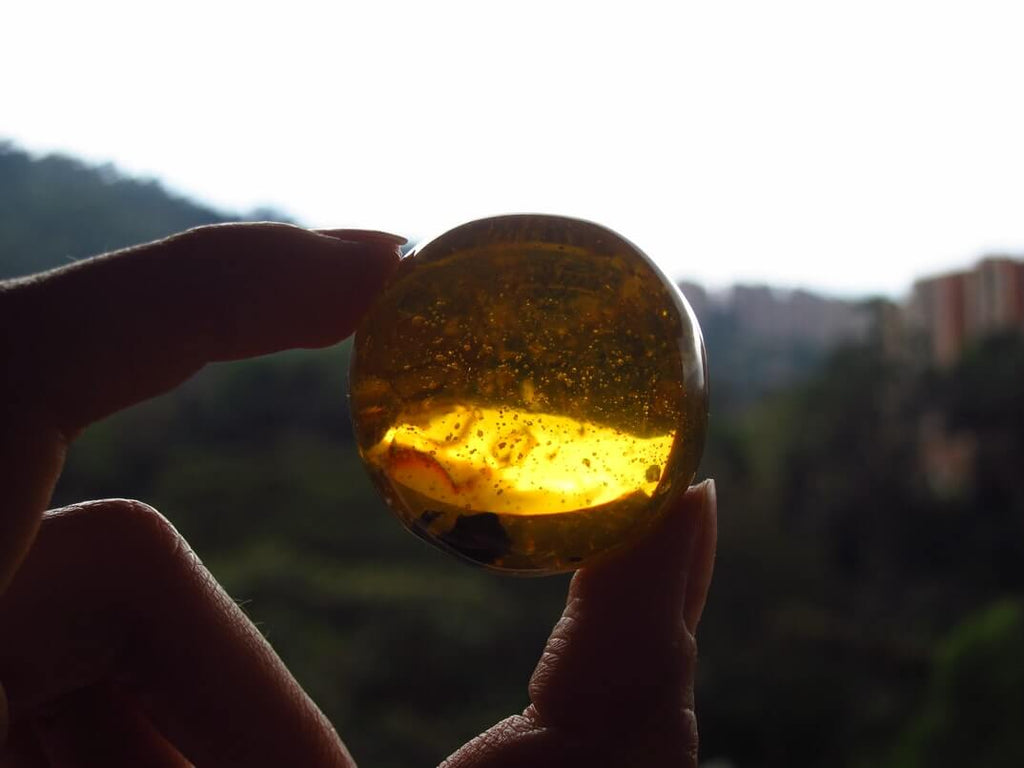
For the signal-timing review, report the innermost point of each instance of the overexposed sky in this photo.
(846, 147)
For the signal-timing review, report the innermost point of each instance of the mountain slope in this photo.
(56, 209)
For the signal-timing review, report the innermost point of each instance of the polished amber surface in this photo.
(529, 391)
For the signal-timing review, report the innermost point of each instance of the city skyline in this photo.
(937, 319)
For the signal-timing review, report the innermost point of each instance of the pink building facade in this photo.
(953, 310)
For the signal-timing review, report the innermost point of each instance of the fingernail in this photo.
(363, 236)
(710, 491)
(702, 558)
(377, 253)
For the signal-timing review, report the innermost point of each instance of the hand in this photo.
(117, 647)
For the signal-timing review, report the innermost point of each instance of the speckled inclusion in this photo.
(529, 391)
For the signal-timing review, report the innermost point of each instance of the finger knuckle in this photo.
(129, 526)
(235, 233)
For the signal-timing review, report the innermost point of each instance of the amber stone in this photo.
(529, 391)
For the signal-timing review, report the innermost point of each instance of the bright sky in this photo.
(847, 146)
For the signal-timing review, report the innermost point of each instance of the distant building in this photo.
(948, 311)
(994, 297)
(773, 314)
(943, 314)
(936, 312)
(782, 315)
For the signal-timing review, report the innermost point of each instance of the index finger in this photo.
(102, 334)
(89, 339)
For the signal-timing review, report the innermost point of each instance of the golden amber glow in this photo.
(518, 462)
(528, 392)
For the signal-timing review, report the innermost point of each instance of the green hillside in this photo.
(56, 209)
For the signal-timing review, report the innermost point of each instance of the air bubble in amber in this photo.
(529, 391)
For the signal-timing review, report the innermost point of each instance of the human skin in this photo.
(117, 647)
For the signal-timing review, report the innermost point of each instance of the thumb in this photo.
(622, 656)
(614, 685)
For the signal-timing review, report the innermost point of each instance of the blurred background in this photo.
(837, 190)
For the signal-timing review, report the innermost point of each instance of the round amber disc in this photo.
(529, 391)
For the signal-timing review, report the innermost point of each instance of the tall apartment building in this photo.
(948, 311)
(994, 297)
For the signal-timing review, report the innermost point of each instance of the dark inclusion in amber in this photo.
(529, 391)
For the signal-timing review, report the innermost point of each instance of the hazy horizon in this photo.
(845, 151)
